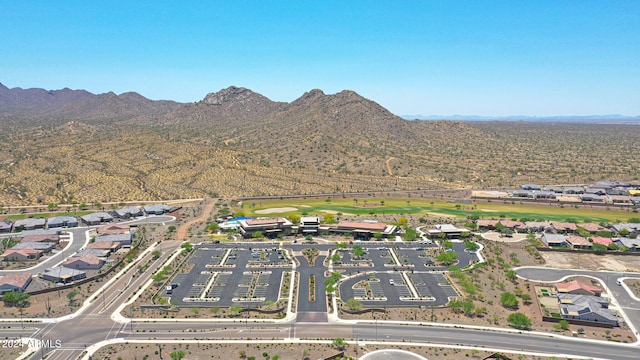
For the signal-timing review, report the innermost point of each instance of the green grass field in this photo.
(385, 206)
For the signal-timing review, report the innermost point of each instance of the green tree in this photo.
(509, 300)
(186, 246)
(339, 343)
(519, 321)
(71, 295)
(213, 227)
(563, 324)
(257, 235)
(447, 258)
(354, 305)
(526, 298)
(16, 299)
(171, 228)
(599, 247)
(455, 305)
(235, 310)
(177, 355)
(468, 306)
(358, 251)
(512, 275)
(471, 245)
(448, 244)
(409, 234)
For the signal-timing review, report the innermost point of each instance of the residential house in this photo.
(573, 190)
(62, 221)
(593, 198)
(29, 224)
(111, 229)
(43, 238)
(364, 230)
(545, 195)
(101, 253)
(105, 245)
(554, 239)
(157, 209)
(586, 308)
(268, 227)
(128, 212)
(578, 242)
(513, 225)
(61, 274)
(564, 227)
(595, 191)
(487, 224)
(578, 287)
(554, 189)
(123, 239)
(629, 228)
(96, 218)
(309, 225)
(618, 200)
(44, 246)
(6, 226)
(592, 227)
(602, 240)
(631, 244)
(523, 194)
(539, 226)
(84, 262)
(16, 282)
(24, 254)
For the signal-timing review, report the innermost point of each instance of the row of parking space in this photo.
(394, 289)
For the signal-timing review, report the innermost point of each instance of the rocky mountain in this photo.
(40, 107)
(18, 100)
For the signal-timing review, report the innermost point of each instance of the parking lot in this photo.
(227, 276)
(397, 275)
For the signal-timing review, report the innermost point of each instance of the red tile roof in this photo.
(602, 240)
(113, 229)
(487, 222)
(18, 280)
(578, 240)
(574, 285)
(591, 227)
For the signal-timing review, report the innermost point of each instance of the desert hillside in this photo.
(70, 145)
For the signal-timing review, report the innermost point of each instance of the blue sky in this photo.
(534, 58)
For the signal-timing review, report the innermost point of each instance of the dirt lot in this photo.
(592, 262)
(634, 285)
(284, 351)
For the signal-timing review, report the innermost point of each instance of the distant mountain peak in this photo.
(229, 95)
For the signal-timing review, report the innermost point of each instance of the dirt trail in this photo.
(388, 165)
(183, 229)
